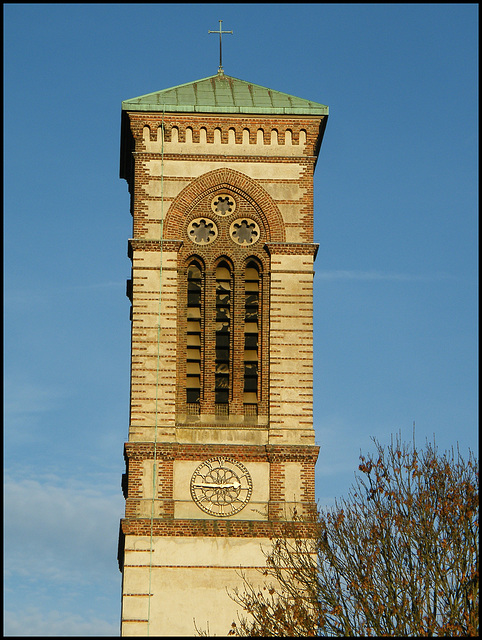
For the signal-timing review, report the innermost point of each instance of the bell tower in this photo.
(221, 450)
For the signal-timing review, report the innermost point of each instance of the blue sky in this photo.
(396, 215)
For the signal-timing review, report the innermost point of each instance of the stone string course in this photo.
(217, 528)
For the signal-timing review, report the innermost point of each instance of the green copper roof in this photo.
(223, 94)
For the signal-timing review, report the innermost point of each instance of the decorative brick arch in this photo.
(225, 179)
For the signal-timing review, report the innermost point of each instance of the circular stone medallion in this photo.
(221, 486)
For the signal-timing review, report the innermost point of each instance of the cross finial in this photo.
(220, 31)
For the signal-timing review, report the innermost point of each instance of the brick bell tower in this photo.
(221, 448)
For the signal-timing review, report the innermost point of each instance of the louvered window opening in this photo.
(194, 337)
(251, 339)
(223, 339)
(225, 383)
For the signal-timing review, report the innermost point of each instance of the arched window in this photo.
(222, 353)
(195, 300)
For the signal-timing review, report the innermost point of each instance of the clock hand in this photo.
(212, 485)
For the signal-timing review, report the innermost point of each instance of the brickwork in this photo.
(191, 203)
(260, 168)
(276, 131)
(216, 528)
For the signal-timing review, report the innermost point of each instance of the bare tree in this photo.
(398, 557)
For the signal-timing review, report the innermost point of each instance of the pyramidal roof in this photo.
(223, 94)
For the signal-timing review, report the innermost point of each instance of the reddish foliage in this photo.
(398, 557)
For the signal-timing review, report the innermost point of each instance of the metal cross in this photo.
(220, 70)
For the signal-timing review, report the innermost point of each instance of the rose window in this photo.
(202, 231)
(244, 232)
(223, 204)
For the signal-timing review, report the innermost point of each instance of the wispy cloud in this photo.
(25, 398)
(33, 621)
(72, 528)
(60, 543)
(26, 405)
(380, 275)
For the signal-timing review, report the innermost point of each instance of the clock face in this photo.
(221, 486)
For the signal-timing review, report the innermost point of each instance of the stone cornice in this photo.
(147, 244)
(262, 453)
(293, 248)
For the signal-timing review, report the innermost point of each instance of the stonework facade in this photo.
(221, 448)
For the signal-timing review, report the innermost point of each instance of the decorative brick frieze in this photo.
(280, 131)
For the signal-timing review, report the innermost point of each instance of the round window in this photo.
(223, 204)
(244, 232)
(202, 231)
